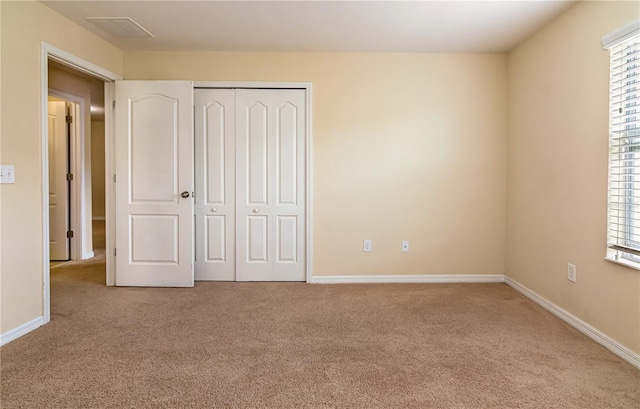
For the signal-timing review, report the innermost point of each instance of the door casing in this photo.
(47, 52)
(299, 86)
(307, 87)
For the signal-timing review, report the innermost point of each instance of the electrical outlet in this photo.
(366, 245)
(7, 174)
(405, 246)
(571, 272)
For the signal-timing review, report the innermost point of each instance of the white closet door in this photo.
(154, 168)
(215, 189)
(58, 184)
(270, 181)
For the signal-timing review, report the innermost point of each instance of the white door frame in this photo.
(76, 168)
(308, 146)
(47, 52)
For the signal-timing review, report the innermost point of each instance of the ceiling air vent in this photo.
(120, 27)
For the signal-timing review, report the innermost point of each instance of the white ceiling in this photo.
(356, 26)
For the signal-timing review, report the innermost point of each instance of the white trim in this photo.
(88, 255)
(612, 345)
(48, 51)
(21, 330)
(427, 278)
(251, 84)
(77, 63)
(306, 86)
(309, 178)
(109, 184)
(622, 261)
(616, 37)
(44, 176)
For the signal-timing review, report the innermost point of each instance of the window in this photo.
(624, 146)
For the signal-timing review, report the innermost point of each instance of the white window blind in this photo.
(624, 149)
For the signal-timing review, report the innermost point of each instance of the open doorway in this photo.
(76, 165)
(92, 160)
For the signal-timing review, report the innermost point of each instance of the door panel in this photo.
(153, 160)
(215, 188)
(257, 239)
(58, 184)
(287, 239)
(287, 158)
(156, 239)
(270, 154)
(216, 239)
(154, 151)
(256, 148)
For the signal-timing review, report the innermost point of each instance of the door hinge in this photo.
(114, 251)
(114, 104)
(69, 119)
(70, 234)
(114, 178)
(69, 176)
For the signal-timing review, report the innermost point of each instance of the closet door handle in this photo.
(184, 195)
(256, 210)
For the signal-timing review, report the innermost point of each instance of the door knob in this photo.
(256, 210)
(184, 194)
(214, 210)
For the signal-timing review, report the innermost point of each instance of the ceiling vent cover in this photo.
(123, 27)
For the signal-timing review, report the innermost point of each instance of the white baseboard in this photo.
(612, 345)
(88, 255)
(369, 279)
(21, 330)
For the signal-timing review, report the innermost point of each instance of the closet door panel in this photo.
(214, 181)
(270, 154)
(253, 183)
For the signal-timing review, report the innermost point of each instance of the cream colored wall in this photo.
(23, 26)
(405, 147)
(97, 169)
(557, 170)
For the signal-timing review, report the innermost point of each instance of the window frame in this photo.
(627, 154)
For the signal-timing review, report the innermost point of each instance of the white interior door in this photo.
(270, 185)
(58, 183)
(154, 169)
(215, 189)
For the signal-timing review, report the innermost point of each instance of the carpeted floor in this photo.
(278, 345)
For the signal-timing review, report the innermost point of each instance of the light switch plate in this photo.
(7, 174)
(571, 272)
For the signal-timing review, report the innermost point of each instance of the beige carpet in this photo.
(279, 345)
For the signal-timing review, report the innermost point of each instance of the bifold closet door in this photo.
(270, 185)
(250, 184)
(215, 184)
